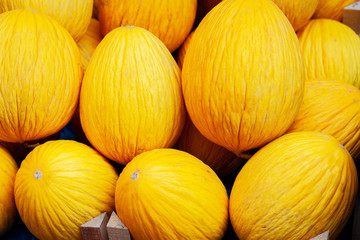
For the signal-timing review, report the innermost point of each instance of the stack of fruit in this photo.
(168, 98)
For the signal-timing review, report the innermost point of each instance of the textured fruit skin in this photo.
(298, 12)
(221, 160)
(243, 74)
(76, 184)
(40, 75)
(131, 99)
(337, 51)
(170, 20)
(8, 169)
(332, 108)
(170, 194)
(331, 9)
(182, 50)
(296, 187)
(89, 42)
(74, 15)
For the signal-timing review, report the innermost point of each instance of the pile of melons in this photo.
(166, 99)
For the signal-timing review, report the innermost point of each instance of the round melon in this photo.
(170, 194)
(170, 20)
(296, 187)
(221, 160)
(89, 42)
(243, 74)
(298, 12)
(60, 186)
(331, 50)
(74, 15)
(8, 169)
(131, 99)
(331, 9)
(333, 108)
(40, 75)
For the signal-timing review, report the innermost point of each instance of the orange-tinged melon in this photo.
(61, 185)
(296, 187)
(8, 169)
(170, 194)
(298, 12)
(331, 9)
(331, 50)
(170, 20)
(74, 15)
(88, 43)
(40, 75)
(243, 74)
(221, 160)
(332, 108)
(131, 99)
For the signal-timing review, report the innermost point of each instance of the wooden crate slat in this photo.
(95, 229)
(116, 229)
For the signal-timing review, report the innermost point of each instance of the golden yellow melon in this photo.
(40, 75)
(331, 50)
(131, 99)
(243, 74)
(61, 185)
(74, 15)
(221, 160)
(331, 9)
(170, 194)
(298, 12)
(89, 42)
(296, 187)
(332, 108)
(170, 20)
(8, 169)
(183, 49)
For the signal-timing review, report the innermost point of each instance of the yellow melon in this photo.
(243, 74)
(8, 169)
(170, 194)
(61, 185)
(298, 12)
(331, 9)
(221, 160)
(131, 99)
(332, 108)
(40, 75)
(74, 15)
(296, 187)
(170, 20)
(89, 42)
(331, 50)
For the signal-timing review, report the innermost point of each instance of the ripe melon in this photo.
(74, 15)
(131, 99)
(333, 108)
(61, 185)
(40, 75)
(331, 9)
(296, 187)
(243, 74)
(170, 20)
(170, 194)
(331, 50)
(8, 169)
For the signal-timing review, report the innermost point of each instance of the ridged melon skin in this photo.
(8, 169)
(243, 74)
(40, 75)
(296, 187)
(170, 194)
(131, 99)
(61, 185)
